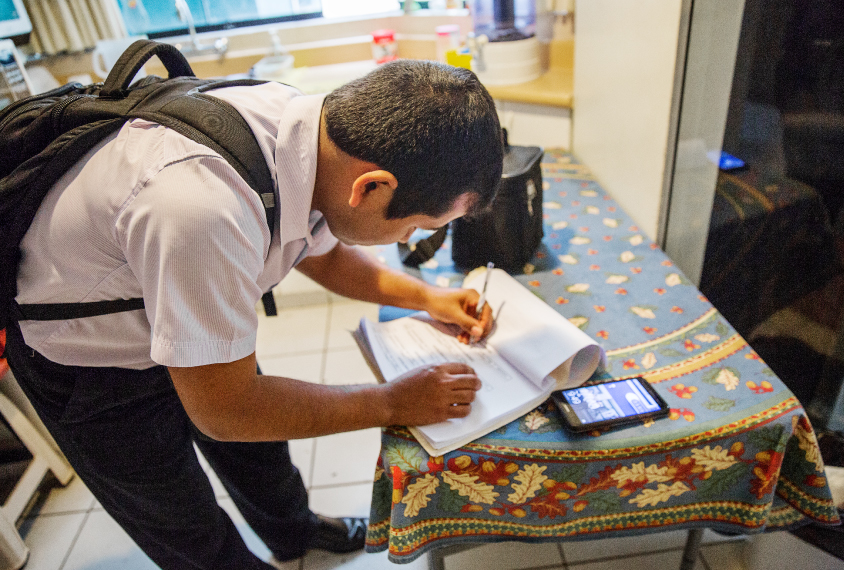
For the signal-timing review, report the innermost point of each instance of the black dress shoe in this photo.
(340, 535)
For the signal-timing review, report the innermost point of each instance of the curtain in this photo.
(73, 25)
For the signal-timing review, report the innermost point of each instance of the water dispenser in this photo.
(504, 46)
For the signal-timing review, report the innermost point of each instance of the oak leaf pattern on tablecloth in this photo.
(535, 420)
(469, 486)
(640, 474)
(529, 481)
(727, 376)
(644, 312)
(419, 494)
(663, 492)
(407, 457)
(707, 337)
(714, 458)
(673, 279)
(808, 442)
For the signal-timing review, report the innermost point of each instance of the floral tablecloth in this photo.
(737, 453)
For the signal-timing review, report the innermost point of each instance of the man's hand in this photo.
(348, 271)
(432, 394)
(459, 307)
(230, 402)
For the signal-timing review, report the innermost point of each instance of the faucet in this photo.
(219, 47)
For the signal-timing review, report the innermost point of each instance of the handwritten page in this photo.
(404, 344)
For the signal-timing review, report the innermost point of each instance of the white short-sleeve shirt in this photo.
(149, 213)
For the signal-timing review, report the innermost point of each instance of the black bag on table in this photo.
(509, 233)
(42, 136)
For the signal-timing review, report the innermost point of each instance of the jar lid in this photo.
(383, 35)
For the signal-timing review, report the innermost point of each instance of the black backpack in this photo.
(42, 136)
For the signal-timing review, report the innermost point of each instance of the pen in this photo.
(482, 300)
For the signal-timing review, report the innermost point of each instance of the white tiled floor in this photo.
(310, 340)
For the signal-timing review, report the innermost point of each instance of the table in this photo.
(737, 454)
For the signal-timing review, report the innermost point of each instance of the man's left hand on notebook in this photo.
(459, 307)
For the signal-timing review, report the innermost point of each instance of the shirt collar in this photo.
(296, 161)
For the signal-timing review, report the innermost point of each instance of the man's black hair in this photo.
(433, 126)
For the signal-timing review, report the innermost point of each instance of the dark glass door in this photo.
(774, 263)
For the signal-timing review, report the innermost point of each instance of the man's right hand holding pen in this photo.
(482, 304)
(474, 316)
(482, 312)
(475, 319)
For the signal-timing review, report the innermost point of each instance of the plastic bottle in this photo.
(448, 38)
(384, 47)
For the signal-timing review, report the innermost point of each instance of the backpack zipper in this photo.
(21, 109)
(58, 111)
(31, 102)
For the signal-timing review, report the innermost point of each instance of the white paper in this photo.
(531, 351)
(532, 336)
(404, 344)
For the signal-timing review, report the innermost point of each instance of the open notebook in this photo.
(532, 351)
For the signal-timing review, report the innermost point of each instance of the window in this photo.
(342, 8)
(157, 18)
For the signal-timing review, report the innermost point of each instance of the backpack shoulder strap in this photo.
(62, 311)
(214, 123)
(207, 120)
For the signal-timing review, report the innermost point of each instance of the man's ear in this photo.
(369, 182)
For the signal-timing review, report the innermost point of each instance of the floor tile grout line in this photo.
(562, 554)
(702, 559)
(55, 514)
(325, 341)
(74, 541)
(322, 365)
(547, 567)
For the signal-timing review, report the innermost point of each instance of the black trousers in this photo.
(128, 437)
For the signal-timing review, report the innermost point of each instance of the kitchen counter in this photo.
(554, 88)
